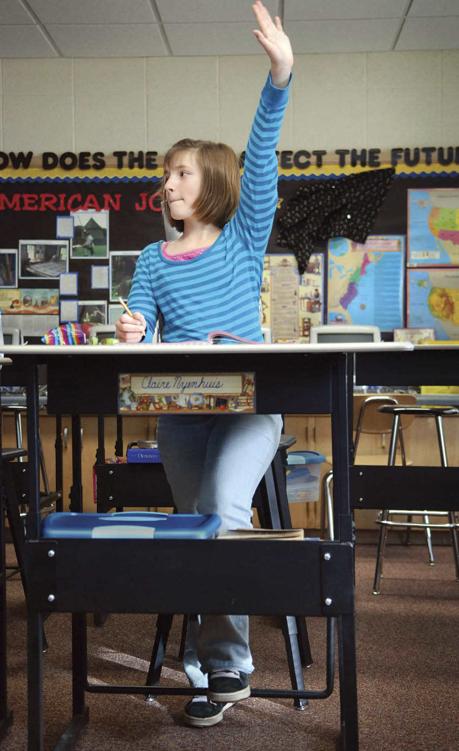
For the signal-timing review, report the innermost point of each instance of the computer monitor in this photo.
(337, 333)
(10, 336)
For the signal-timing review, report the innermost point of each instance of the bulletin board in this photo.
(31, 208)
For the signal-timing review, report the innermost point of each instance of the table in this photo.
(80, 576)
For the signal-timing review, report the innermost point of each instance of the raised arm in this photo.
(276, 44)
(258, 200)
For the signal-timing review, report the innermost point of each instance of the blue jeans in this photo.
(214, 465)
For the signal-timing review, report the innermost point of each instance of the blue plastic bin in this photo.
(131, 524)
(303, 476)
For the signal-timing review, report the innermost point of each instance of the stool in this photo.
(271, 502)
(385, 520)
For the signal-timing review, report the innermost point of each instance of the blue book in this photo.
(136, 455)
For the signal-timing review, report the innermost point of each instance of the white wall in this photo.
(343, 100)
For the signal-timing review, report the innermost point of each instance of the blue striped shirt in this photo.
(220, 289)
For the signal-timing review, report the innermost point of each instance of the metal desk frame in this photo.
(81, 576)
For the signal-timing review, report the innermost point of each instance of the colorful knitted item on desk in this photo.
(67, 333)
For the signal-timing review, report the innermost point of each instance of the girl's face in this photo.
(183, 184)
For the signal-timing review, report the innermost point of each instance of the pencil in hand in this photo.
(123, 304)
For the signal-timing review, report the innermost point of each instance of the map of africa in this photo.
(433, 301)
(433, 227)
(365, 282)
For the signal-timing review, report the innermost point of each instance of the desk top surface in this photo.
(201, 348)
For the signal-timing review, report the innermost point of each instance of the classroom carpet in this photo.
(408, 677)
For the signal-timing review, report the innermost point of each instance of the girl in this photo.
(209, 278)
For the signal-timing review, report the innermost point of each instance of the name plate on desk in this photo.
(186, 393)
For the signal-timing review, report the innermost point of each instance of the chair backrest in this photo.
(368, 419)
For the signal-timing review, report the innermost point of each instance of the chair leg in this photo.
(163, 627)
(380, 553)
(454, 540)
(181, 651)
(290, 631)
(429, 540)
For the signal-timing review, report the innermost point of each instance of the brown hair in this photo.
(220, 181)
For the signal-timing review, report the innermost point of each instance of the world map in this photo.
(433, 301)
(365, 282)
(433, 227)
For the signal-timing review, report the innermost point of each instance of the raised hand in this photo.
(275, 42)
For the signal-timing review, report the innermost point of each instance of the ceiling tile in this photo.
(13, 12)
(209, 11)
(120, 40)
(309, 10)
(434, 8)
(89, 11)
(347, 36)
(214, 39)
(430, 34)
(24, 41)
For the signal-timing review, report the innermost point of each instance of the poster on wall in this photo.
(365, 281)
(92, 311)
(43, 259)
(291, 303)
(90, 235)
(433, 301)
(8, 267)
(433, 227)
(121, 272)
(26, 301)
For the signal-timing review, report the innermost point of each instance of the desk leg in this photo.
(79, 663)
(348, 684)
(76, 491)
(35, 681)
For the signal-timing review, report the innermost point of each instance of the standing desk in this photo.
(308, 578)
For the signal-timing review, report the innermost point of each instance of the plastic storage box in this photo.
(303, 476)
(130, 524)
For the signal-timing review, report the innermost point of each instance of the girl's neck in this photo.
(195, 235)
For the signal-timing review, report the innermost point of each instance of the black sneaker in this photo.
(204, 714)
(228, 685)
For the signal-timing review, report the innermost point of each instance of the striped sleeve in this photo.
(258, 201)
(142, 294)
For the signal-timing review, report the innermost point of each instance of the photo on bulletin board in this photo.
(92, 311)
(99, 277)
(90, 234)
(114, 312)
(64, 227)
(365, 281)
(24, 301)
(8, 267)
(121, 272)
(43, 259)
(68, 311)
(433, 227)
(68, 284)
(433, 301)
